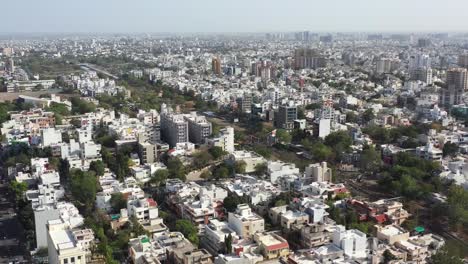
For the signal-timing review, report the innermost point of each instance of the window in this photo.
(72, 259)
(65, 261)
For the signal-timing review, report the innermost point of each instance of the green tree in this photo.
(228, 243)
(81, 106)
(83, 188)
(188, 230)
(444, 257)
(160, 176)
(280, 203)
(351, 117)
(240, 166)
(64, 171)
(18, 189)
(217, 152)
(98, 167)
(206, 175)
(368, 115)
(450, 149)
(388, 256)
(202, 159)
(321, 152)
(261, 169)
(54, 163)
(263, 151)
(58, 109)
(339, 140)
(221, 172)
(230, 202)
(457, 200)
(176, 168)
(118, 201)
(370, 159)
(5, 107)
(283, 136)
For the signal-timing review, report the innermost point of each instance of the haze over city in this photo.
(233, 16)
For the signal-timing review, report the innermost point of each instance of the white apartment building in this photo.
(50, 136)
(278, 169)
(63, 246)
(353, 242)
(429, 152)
(146, 212)
(225, 140)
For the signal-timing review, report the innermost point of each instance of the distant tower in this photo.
(216, 66)
(456, 84)
(10, 66)
(463, 60)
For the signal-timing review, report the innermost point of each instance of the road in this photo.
(12, 241)
(4, 96)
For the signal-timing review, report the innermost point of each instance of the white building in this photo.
(278, 169)
(50, 136)
(319, 172)
(353, 242)
(63, 246)
(225, 140)
(429, 152)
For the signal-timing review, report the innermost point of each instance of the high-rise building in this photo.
(308, 58)
(423, 74)
(10, 66)
(456, 84)
(199, 128)
(303, 36)
(463, 60)
(244, 103)
(349, 58)
(8, 52)
(224, 140)
(174, 129)
(419, 61)
(264, 69)
(424, 42)
(285, 117)
(326, 39)
(216, 65)
(386, 65)
(148, 152)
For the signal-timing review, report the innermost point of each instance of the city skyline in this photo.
(53, 16)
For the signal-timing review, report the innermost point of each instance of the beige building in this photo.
(319, 172)
(245, 222)
(148, 152)
(250, 158)
(271, 245)
(391, 233)
(286, 218)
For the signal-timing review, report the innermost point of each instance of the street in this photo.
(12, 243)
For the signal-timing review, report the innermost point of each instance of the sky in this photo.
(180, 16)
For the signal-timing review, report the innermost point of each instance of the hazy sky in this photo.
(232, 15)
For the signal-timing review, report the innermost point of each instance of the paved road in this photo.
(12, 242)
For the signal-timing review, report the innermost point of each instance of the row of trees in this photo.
(411, 177)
